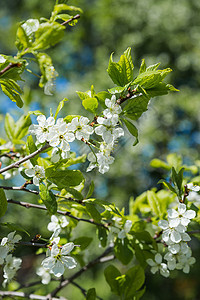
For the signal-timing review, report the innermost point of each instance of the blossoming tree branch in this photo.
(155, 234)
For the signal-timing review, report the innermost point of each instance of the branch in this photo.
(128, 96)
(10, 66)
(72, 19)
(28, 296)
(100, 259)
(19, 162)
(83, 291)
(64, 213)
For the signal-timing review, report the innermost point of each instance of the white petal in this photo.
(69, 262)
(174, 222)
(172, 213)
(158, 258)
(67, 248)
(181, 208)
(190, 214)
(58, 269)
(163, 224)
(151, 262)
(175, 237)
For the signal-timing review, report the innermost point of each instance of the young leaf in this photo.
(111, 273)
(60, 106)
(177, 179)
(11, 89)
(9, 126)
(3, 203)
(91, 190)
(48, 199)
(154, 203)
(64, 178)
(90, 104)
(135, 280)
(132, 129)
(136, 106)
(31, 147)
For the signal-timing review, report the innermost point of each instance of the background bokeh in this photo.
(159, 31)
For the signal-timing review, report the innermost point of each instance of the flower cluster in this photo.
(108, 130)
(60, 134)
(193, 196)
(57, 256)
(178, 254)
(11, 263)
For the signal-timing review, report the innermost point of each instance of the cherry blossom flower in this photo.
(182, 216)
(113, 107)
(171, 233)
(37, 172)
(59, 259)
(57, 222)
(10, 241)
(157, 265)
(107, 129)
(81, 128)
(43, 128)
(12, 265)
(44, 274)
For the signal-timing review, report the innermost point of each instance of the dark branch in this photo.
(64, 213)
(72, 19)
(28, 296)
(10, 66)
(19, 162)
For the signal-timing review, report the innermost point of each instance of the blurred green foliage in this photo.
(164, 31)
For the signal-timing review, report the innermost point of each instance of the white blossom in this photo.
(185, 261)
(12, 265)
(113, 107)
(57, 222)
(37, 172)
(127, 227)
(43, 128)
(10, 241)
(158, 265)
(44, 274)
(182, 216)
(59, 259)
(2, 59)
(171, 233)
(3, 253)
(194, 188)
(81, 128)
(107, 129)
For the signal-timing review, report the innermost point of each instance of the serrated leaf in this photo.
(143, 66)
(11, 89)
(3, 203)
(22, 126)
(154, 203)
(150, 79)
(136, 106)
(60, 7)
(132, 129)
(64, 178)
(47, 35)
(90, 104)
(48, 199)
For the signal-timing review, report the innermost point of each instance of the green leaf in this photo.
(9, 126)
(133, 130)
(102, 235)
(154, 203)
(136, 106)
(101, 96)
(60, 7)
(121, 73)
(60, 106)
(31, 147)
(135, 278)
(123, 251)
(83, 241)
(14, 227)
(150, 79)
(11, 89)
(91, 294)
(111, 273)
(90, 104)
(22, 126)
(143, 66)
(22, 40)
(93, 212)
(177, 179)
(91, 190)
(48, 199)
(168, 185)
(158, 163)
(74, 193)
(3, 203)
(47, 35)
(64, 178)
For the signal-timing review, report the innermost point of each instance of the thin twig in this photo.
(100, 259)
(19, 188)
(72, 19)
(28, 296)
(19, 162)
(10, 66)
(83, 291)
(64, 213)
